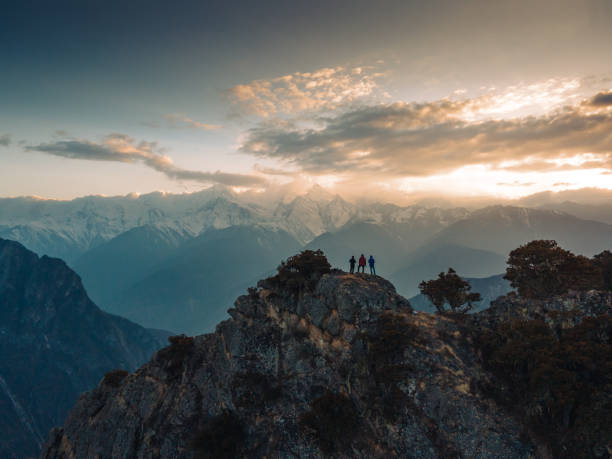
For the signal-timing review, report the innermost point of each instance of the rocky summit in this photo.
(342, 367)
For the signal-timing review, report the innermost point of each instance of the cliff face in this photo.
(348, 370)
(54, 344)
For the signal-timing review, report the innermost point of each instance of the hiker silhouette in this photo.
(371, 262)
(362, 263)
(352, 262)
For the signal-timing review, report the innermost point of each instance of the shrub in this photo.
(181, 347)
(334, 420)
(449, 289)
(393, 334)
(560, 385)
(301, 272)
(387, 365)
(254, 389)
(541, 269)
(221, 437)
(603, 261)
(114, 378)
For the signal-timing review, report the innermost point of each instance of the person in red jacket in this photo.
(362, 263)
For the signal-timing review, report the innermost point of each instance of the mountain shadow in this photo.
(54, 344)
(191, 291)
(114, 266)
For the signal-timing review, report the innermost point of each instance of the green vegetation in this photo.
(114, 378)
(301, 272)
(221, 437)
(559, 384)
(386, 363)
(386, 349)
(542, 269)
(334, 422)
(604, 262)
(449, 289)
(181, 347)
(254, 390)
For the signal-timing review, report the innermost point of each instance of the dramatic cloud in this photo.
(122, 148)
(409, 140)
(603, 99)
(5, 140)
(534, 98)
(324, 89)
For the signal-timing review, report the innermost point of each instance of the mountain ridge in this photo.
(275, 361)
(346, 369)
(54, 344)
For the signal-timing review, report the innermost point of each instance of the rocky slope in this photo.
(54, 344)
(346, 369)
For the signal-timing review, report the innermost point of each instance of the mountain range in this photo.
(148, 257)
(54, 344)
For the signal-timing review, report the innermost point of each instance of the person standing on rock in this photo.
(371, 262)
(352, 262)
(362, 263)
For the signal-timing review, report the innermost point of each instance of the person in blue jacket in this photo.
(371, 262)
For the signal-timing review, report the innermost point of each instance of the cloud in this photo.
(273, 171)
(534, 98)
(324, 89)
(122, 148)
(179, 120)
(603, 99)
(410, 140)
(5, 140)
(516, 183)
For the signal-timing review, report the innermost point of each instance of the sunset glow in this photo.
(502, 109)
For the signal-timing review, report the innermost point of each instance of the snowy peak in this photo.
(319, 194)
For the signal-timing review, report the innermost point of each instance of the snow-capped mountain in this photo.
(306, 217)
(68, 229)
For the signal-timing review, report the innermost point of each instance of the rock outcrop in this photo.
(54, 344)
(346, 369)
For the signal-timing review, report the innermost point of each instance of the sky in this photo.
(390, 98)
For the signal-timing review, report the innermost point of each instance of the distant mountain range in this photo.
(191, 289)
(426, 263)
(503, 228)
(54, 344)
(177, 261)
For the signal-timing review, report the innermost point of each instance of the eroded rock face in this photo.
(348, 370)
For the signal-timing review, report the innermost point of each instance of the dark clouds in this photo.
(402, 140)
(5, 140)
(603, 99)
(122, 148)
